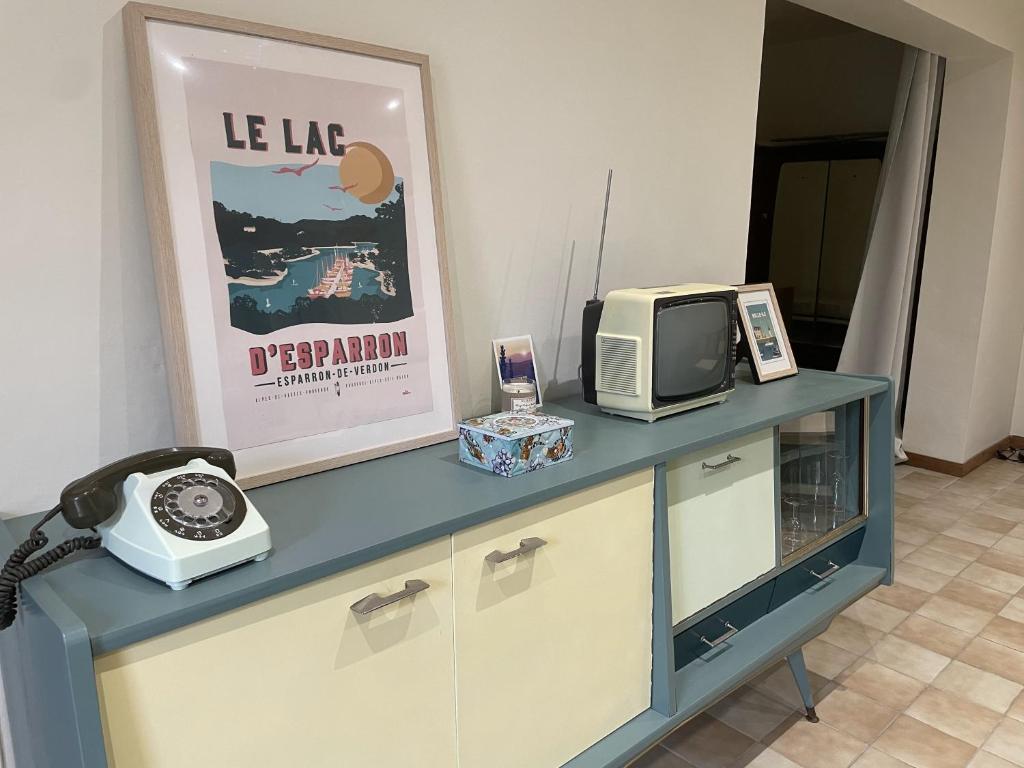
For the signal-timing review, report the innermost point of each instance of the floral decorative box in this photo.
(511, 444)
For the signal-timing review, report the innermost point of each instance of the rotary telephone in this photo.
(175, 514)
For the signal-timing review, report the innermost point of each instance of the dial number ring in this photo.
(197, 506)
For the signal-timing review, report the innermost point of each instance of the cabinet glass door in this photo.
(821, 460)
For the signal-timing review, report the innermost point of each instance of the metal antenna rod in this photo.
(604, 224)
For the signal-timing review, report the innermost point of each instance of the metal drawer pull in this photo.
(831, 569)
(721, 638)
(373, 602)
(525, 546)
(729, 459)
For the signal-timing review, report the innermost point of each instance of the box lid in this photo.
(509, 425)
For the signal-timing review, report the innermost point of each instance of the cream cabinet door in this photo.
(296, 680)
(553, 646)
(721, 513)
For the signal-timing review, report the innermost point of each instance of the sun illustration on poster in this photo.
(313, 242)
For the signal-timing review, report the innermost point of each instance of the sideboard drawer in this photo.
(710, 636)
(553, 624)
(816, 568)
(297, 679)
(721, 520)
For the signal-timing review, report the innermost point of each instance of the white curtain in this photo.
(876, 341)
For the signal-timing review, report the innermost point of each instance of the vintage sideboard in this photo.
(569, 617)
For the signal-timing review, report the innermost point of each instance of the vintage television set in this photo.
(652, 352)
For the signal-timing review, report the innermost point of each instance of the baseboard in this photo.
(959, 469)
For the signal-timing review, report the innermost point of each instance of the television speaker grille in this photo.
(617, 358)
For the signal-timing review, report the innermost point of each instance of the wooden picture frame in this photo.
(764, 333)
(192, 71)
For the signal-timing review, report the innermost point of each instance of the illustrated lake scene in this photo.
(764, 332)
(301, 246)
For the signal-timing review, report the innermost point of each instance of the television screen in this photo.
(691, 348)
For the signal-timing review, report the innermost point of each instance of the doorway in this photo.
(824, 112)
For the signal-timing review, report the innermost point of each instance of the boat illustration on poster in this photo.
(764, 332)
(299, 247)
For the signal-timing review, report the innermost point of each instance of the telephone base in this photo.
(177, 586)
(143, 535)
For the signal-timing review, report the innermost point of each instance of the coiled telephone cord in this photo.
(16, 569)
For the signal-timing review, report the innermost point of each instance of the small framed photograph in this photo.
(770, 355)
(514, 359)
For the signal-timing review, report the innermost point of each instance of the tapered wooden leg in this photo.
(799, 670)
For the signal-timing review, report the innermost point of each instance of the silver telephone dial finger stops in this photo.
(198, 506)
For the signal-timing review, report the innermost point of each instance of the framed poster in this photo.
(769, 352)
(292, 193)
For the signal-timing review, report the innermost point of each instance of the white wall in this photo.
(534, 101)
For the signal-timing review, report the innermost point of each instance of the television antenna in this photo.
(604, 225)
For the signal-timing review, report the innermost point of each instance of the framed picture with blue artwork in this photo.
(291, 185)
(766, 341)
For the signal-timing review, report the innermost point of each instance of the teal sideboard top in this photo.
(329, 522)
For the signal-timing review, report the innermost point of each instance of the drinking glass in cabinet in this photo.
(821, 476)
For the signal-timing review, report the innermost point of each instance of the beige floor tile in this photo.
(913, 534)
(1016, 710)
(1010, 544)
(659, 758)
(982, 687)
(760, 756)
(884, 685)
(901, 549)
(936, 560)
(956, 615)
(920, 578)
(707, 743)
(995, 658)
(751, 712)
(930, 518)
(1007, 741)
(1014, 514)
(989, 522)
(1011, 496)
(1014, 610)
(922, 746)
(993, 578)
(826, 659)
(975, 595)
(921, 485)
(1017, 532)
(1005, 632)
(959, 502)
(988, 760)
(933, 635)
(855, 714)
(1003, 561)
(816, 745)
(973, 534)
(901, 596)
(957, 547)
(875, 759)
(872, 613)
(977, 488)
(851, 635)
(954, 715)
(908, 658)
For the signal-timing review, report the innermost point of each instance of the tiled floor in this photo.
(926, 673)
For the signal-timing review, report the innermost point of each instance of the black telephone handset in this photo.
(90, 500)
(86, 503)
